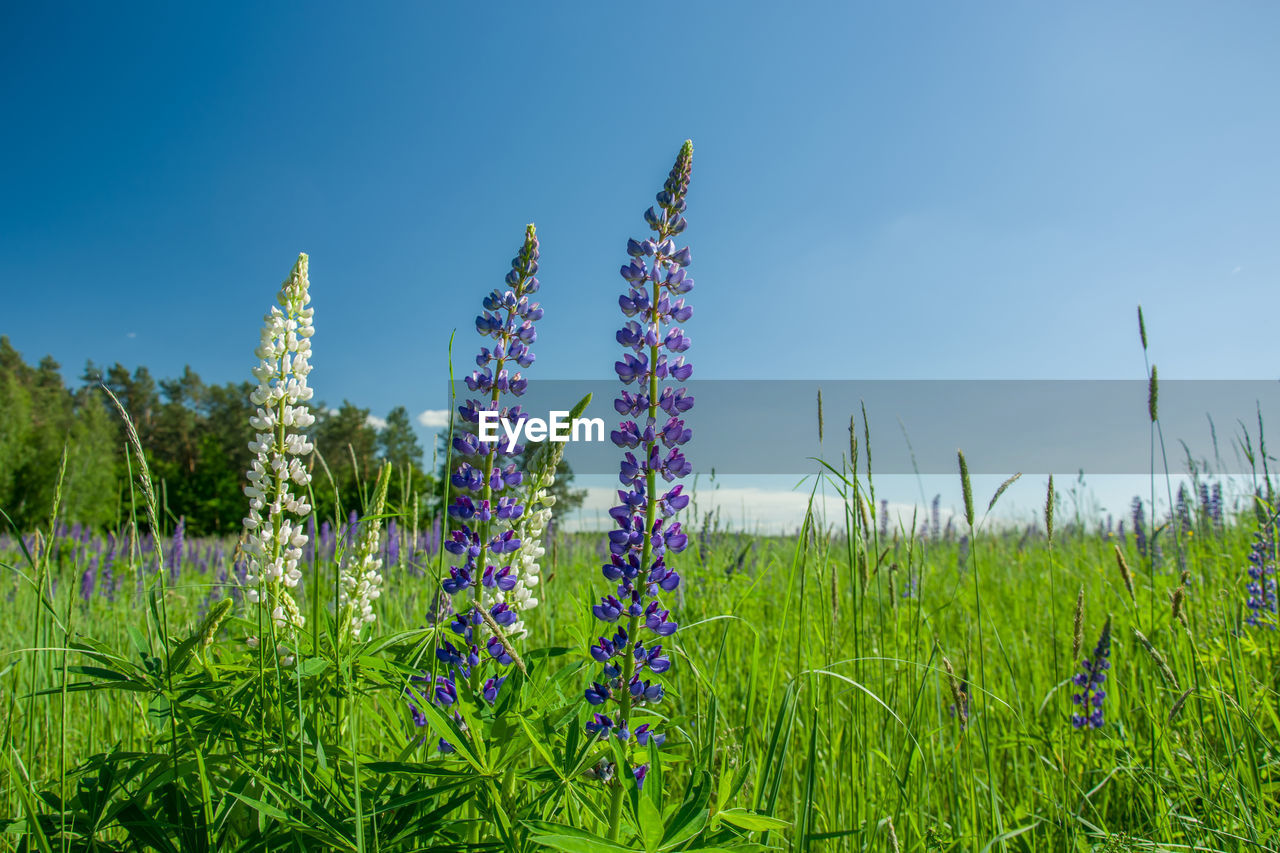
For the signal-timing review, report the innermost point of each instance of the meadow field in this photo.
(836, 692)
(348, 671)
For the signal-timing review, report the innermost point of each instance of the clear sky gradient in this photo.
(905, 190)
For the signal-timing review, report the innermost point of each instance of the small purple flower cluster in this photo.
(1139, 531)
(638, 549)
(1211, 505)
(1092, 675)
(177, 548)
(1262, 583)
(89, 579)
(1182, 509)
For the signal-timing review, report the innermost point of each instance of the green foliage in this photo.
(397, 442)
(837, 690)
(196, 438)
(811, 711)
(38, 419)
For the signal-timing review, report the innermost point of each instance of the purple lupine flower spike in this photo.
(1182, 508)
(483, 540)
(1092, 675)
(1139, 531)
(652, 435)
(177, 548)
(393, 544)
(108, 582)
(1262, 583)
(88, 580)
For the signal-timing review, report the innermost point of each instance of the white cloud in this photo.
(1236, 271)
(434, 418)
(131, 335)
(748, 509)
(752, 509)
(376, 422)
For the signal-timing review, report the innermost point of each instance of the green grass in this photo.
(809, 708)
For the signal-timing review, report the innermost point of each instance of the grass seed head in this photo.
(958, 697)
(1048, 509)
(213, 621)
(1161, 664)
(1077, 629)
(1125, 574)
(1153, 396)
(853, 446)
(1178, 704)
(966, 487)
(820, 422)
(1178, 600)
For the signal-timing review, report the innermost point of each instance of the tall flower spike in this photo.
(532, 527)
(361, 575)
(487, 510)
(525, 568)
(1262, 583)
(274, 534)
(651, 437)
(1092, 675)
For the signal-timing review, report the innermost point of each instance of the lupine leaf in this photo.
(744, 819)
(693, 813)
(650, 821)
(312, 666)
(32, 812)
(579, 844)
(538, 745)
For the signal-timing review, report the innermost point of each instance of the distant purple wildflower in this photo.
(177, 548)
(1262, 583)
(1139, 531)
(309, 550)
(393, 544)
(1182, 508)
(327, 543)
(107, 583)
(89, 579)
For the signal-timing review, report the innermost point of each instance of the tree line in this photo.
(195, 436)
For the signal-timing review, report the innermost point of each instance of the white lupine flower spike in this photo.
(532, 526)
(274, 533)
(361, 574)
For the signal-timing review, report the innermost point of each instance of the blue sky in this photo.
(908, 190)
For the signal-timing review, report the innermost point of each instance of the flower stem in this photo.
(650, 512)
